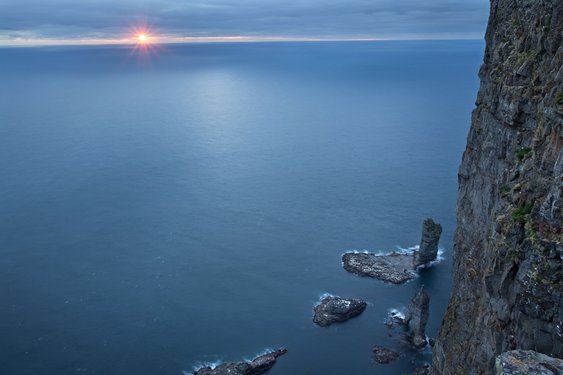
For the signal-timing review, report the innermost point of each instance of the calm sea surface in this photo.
(191, 205)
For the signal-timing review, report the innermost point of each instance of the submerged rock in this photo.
(428, 250)
(257, 366)
(395, 268)
(422, 370)
(395, 317)
(334, 309)
(417, 317)
(383, 355)
(527, 362)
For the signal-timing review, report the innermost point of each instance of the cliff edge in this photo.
(507, 274)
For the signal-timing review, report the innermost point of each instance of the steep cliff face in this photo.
(508, 281)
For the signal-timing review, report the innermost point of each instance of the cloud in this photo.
(318, 18)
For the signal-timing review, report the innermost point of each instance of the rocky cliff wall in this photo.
(508, 284)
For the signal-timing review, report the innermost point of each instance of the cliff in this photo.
(507, 277)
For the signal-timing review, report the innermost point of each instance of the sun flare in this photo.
(142, 38)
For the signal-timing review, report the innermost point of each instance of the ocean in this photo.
(189, 204)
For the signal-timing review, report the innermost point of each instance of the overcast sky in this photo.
(113, 19)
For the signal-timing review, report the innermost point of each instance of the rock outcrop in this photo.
(383, 355)
(416, 319)
(258, 366)
(428, 249)
(527, 362)
(422, 370)
(332, 309)
(507, 264)
(394, 268)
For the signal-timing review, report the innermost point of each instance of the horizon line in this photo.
(45, 42)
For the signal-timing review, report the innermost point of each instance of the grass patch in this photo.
(504, 190)
(522, 214)
(523, 153)
(559, 97)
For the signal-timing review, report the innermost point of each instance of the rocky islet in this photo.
(334, 309)
(396, 267)
(257, 366)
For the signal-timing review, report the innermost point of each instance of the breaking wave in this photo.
(396, 313)
(199, 365)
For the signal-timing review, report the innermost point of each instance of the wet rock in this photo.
(383, 355)
(428, 250)
(527, 362)
(334, 309)
(257, 366)
(395, 318)
(422, 370)
(417, 317)
(394, 268)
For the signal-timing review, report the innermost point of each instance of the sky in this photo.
(116, 21)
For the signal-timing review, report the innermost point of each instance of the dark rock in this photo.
(395, 268)
(417, 317)
(527, 362)
(258, 366)
(383, 355)
(422, 370)
(265, 362)
(428, 249)
(394, 318)
(334, 309)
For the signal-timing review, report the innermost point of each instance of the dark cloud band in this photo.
(375, 18)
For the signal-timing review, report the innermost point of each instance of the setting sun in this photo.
(142, 38)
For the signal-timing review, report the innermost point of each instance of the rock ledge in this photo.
(527, 362)
(394, 268)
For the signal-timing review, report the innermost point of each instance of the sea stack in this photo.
(428, 250)
(417, 317)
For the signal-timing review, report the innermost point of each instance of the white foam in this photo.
(199, 365)
(427, 349)
(356, 251)
(321, 297)
(325, 295)
(406, 250)
(396, 313)
(439, 258)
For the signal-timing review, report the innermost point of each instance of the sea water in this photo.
(168, 207)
